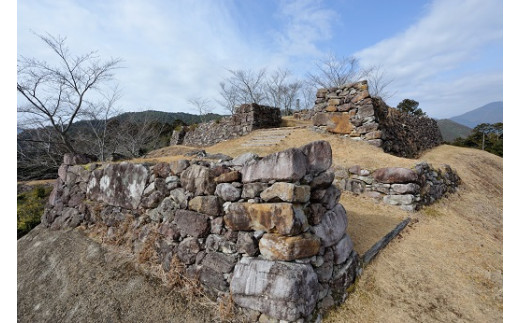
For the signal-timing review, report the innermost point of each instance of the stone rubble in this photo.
(248, 117)
(409, 189)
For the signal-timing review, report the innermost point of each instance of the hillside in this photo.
(446, 266)
(490, 113)
(451, 129)
(165, 117)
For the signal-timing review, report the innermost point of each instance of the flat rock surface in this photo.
(63, 276)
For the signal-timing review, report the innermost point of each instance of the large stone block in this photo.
(399, 199)
(253, 190)
(281, 218)
(321, 119)
(393, 175)
(287, 166)
(286, 192)
(278, 247)
(318, 155)
(206, 204)
(332, 226)
(340, 123)
(410, 188)
(118, 184)
(228, 192)
(198, 180)
(220, 262)
(283, 290)
(342, 249)
(192, 223)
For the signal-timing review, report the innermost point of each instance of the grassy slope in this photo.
(451, 130)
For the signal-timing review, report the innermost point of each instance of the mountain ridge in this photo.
(492, 112)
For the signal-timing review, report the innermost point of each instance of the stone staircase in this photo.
(269, 137)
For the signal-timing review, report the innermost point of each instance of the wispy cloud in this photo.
(430, 59)
(307, 23)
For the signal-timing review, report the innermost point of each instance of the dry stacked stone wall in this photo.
(269, 230)
(408, 188)
(350, 110)
(246, 118)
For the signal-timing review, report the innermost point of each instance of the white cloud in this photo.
(444, 51)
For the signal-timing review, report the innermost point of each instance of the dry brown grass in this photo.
(446, 266)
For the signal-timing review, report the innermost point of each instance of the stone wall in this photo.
(408, 188)
(350, 110)
(247, 118)
(270, 230)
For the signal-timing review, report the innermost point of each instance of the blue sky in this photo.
(445, 54)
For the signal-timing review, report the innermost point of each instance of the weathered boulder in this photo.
(281, 218)
(252, 190)
(328, 197)
(220, 262)
(187, 250)
(332, 226)
(278, 247)
(286, 192)
(410, 188)
(232, 176)
(118, 184)
(228, 192)
(287, 166)
(283, 290)
(342, 249)
(393, 175)
(161, 170)
(212, 279)
(246, 243)
(244, 159)
(399, 199)
(339, 122)
(318, 156)
(178, 166)
(198, 180)
(78, 159)
(206, 204)
(192, 223)
(323, 180)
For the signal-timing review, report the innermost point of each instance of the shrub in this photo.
(29, 209)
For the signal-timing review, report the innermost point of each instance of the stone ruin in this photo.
(269, 231)
(410, 189)
(247, 117)
(350, 110)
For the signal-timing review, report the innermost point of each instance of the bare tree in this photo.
(136, 137)
(98, 117)
(335, 71)
(230, 97)
(55, 95)
(202, 105)
(378, 82)
(249, 85)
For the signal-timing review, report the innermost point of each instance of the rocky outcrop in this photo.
(269, 230)
(247, 117)
(408, 188)
(350, 110)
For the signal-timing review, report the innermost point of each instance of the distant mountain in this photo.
(451, 130)
(489, 113)
(166, 117)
